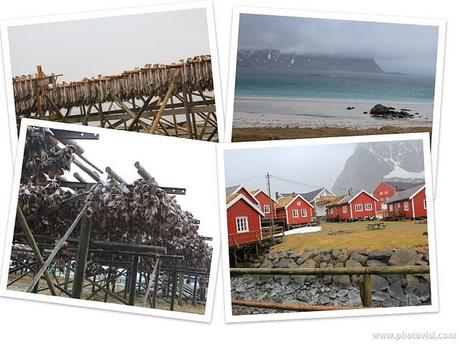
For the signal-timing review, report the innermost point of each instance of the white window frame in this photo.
(299, 203)
(295, 213)
(304, 212)
(406, 205)
(344, 209)
(390, 207)
(424, 204)
(368, 207)
(360, 208)
(266, 208)
(245, 222)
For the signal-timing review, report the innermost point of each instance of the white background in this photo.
(35, 322)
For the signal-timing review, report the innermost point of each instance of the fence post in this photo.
(366, 290)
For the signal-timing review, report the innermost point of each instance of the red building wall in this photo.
(383, 193)
(338, 211)
(300, 219)
(411, 208)
(241, 209)
(265, 200)
(363, 199)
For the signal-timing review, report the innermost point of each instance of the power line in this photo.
(302, 183)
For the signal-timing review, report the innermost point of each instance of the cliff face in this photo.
(325, 63)
(372, 163)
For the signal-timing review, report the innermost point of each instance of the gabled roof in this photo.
(232, 199)
(347, 199)
(255, 192)
(287, 200)
(235, 190)
(406, 194)
(310, 196)
(401, 186)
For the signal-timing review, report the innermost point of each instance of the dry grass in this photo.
(163, 304)
(277, 133)
(403, 234)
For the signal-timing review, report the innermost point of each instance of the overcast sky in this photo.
(395, 47)
(172, 162)
(300, 164)
(87, 48)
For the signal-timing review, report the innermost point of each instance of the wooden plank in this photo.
(83, 247)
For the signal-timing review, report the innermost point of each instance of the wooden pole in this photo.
(155, 284)
(83, 246)
(181, 289)
(366, 290)
(174, 287)
(286, 306)
(132, 282)
(30, 238)
(195, 285)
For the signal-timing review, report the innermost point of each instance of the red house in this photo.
(243, 221)
(408, 204)
(352, 207)
(295, 210)
(267, 204)
(386, 189)
(234, 190)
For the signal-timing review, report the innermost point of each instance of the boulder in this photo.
(359, 257)
(390, 302)
(285, 263)
(396, 291)
(341, 281)
(375, 263)
(380, 296)
(335, 253)
(379, 283)
(266, 264)
(380, 109)
(383, 255)
(403, 257)
(308, 254)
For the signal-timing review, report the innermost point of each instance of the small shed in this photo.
(267, 204)
(295, 210)
(387, 189)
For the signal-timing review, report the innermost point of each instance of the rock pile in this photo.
(338, 290)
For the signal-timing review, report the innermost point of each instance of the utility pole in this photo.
(272, 205)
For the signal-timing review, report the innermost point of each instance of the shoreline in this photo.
(279, 133)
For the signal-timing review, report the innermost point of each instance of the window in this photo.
(303, 212)
(298, 203)
(390, 207)
(386, 192)
(424, 204)
(358, 207)
(344, 209)
(381, 193)
(267, 208)
(368, 207)
(406, 205)
(295, 213)
(242, 224)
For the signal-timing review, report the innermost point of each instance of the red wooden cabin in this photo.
(295, 210)
(386, 189)
(243, 221)
(351, 207)
(234, 190)
(267, 204)
(408, 204)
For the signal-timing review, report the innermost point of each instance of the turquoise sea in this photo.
(298, 84)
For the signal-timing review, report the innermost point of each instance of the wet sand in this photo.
(278, 133)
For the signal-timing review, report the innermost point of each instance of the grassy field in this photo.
(162, 303)
(403, 234)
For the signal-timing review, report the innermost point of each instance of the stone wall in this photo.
(339, 290)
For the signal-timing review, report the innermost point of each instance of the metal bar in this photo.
(30, 237)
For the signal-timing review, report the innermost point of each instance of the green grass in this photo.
(403, 234)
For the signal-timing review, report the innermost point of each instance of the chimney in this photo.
(277, 195)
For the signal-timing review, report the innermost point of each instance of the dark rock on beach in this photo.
(382, 111)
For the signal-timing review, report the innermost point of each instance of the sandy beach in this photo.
(278, 133)
(321, 113)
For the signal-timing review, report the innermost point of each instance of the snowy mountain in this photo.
(324, 63)
(372, 163)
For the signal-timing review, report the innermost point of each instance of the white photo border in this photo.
(440, 24)
(434, 307)
(162, 141)
(115, 12)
